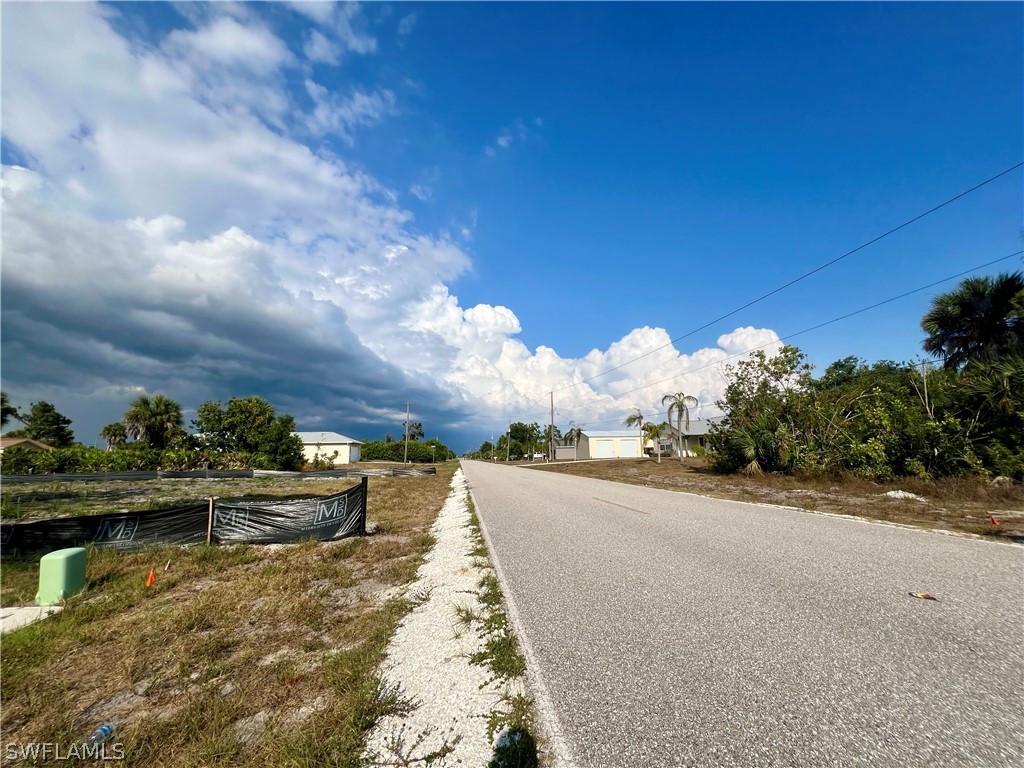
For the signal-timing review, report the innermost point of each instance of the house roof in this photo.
(697, 427)
(612, 433)
(25, 442)
(331, 438)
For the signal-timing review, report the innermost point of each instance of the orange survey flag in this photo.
(151, 578)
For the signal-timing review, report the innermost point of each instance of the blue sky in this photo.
(468, 205)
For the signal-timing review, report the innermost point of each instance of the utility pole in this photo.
(508, 442)
(551, 430)
(406, 459)
(492, 447)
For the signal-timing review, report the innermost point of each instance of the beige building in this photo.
(326, 443)
(23, 442)
(617, 444)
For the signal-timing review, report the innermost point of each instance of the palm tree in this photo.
(157, 419)
(982, 319)
(573, 435)
(654, 432)
(999, 385)
(635, 419)
(766, 444)
(114, 435)
(680, 402)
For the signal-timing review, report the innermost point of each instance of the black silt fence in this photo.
(217, 522)
(267, 522)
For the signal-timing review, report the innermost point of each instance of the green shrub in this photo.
(419, 452)
(17, 461)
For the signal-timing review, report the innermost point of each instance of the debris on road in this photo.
(923, 596)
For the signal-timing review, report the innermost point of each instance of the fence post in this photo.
(366, 487)
(209, 523)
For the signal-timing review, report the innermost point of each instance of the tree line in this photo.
(523, 441)
(962, 415)
(244, 433)
(417, 449)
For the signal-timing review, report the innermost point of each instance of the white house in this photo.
(326, 443)
(694, 437)
(611, 444)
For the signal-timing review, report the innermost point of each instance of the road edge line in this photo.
(545, 707)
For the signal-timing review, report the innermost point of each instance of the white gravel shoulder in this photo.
(428, 658)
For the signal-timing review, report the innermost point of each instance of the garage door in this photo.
(604, 449)
(629, 448)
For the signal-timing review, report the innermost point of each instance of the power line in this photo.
(797, 279)
(526, 414)
(815, 327)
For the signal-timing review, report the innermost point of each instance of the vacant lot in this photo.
(57, 499)
(964, 505)
(243, 655)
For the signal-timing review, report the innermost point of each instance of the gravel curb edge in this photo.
(558, 755)
(427, 661)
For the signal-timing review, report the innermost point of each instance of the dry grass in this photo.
(955, 504)
(239, 656)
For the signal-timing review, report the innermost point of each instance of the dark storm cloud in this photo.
(68, 329)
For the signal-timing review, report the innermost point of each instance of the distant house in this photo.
(696, 435)
(668, 447)
(565, 452)
(610, 444)
(23, 442)
(326, 443)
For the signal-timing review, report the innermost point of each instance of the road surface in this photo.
(670, 629)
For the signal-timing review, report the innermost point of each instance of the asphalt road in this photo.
(670, 629)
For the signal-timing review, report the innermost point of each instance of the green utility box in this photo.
(61, 575)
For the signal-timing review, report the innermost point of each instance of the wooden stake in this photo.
(365, 482)
(209, 523)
